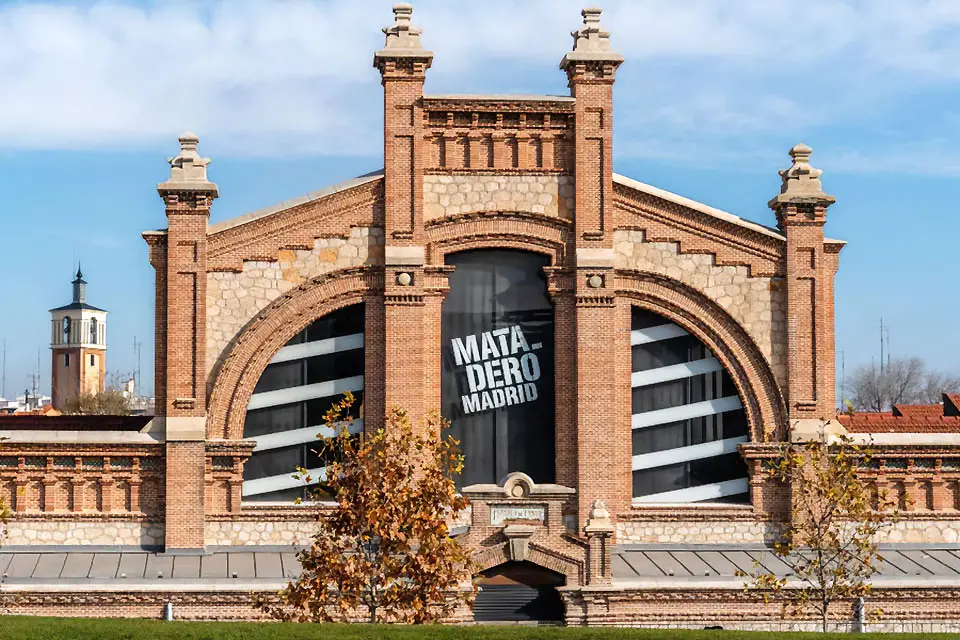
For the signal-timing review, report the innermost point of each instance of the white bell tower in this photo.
(78, 341)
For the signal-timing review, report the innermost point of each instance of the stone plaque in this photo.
(501, 513)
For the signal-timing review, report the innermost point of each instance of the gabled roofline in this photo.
(288, 204)
(697, 206)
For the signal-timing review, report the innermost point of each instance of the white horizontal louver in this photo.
(685, 412)
(291, 395)
(699, 493)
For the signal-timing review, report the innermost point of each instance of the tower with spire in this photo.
(78, 342)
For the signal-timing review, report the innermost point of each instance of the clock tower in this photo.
(78, 341)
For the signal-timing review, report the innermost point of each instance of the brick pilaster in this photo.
(182, 343)
(801, 210)
(591, 69)
(402, 64)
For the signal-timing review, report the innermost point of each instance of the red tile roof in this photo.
(917, 410)
(908, 418)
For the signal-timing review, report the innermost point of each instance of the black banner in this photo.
(498, 376)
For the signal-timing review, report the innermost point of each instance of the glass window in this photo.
(497, 364)
(273, 466)
(686, 410)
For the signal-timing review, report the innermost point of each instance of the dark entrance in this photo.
(519, 592)
(497, 364)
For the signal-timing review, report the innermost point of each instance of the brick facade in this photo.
(468, 172)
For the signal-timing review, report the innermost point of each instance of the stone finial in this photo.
(801, 182)
(591, 41)
(402, 40)
(402, 34)
(188, 171)
(599, 520)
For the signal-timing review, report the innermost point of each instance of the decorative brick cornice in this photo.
(696, 232)
(724, 336)
(501, 104)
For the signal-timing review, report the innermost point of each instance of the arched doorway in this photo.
(497, 370)
(519, 592)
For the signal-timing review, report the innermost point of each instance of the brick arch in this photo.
(251, 350)
(498, 230)
(731, 344)
(572, 568)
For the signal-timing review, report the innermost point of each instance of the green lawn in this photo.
(108, 629)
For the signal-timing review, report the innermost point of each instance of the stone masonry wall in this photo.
(924, 530)
(234, 298)
(696, 532)
(758, 304)
(447, 195)
(260, 532)
(72, 532)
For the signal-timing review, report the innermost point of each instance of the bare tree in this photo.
(108, 402)
(903, 381)
(935, 384)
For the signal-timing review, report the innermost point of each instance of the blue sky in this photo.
(285, 101)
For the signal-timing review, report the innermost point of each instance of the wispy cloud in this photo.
(270, 78)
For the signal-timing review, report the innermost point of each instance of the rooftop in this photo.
(56, 568)
(908, 418)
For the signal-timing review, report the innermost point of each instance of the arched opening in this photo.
(519, 592)
(688, 418)
(497, 364)
(285, 414)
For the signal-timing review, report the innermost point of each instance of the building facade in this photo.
(617, 361)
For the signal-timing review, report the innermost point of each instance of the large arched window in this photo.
(66, 331)
(687, 418)
(497, 377)
(93, 331)
(286, 410)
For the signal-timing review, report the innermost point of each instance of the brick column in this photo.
(402, 64)
(801, 210)
(591, 68)
(181, 343)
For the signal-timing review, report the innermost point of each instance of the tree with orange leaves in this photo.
(385, 550)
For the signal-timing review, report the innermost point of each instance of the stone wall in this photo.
(932, 529)
(758, 304)
(100, 532)
(719, 531)
(234, 298)
(448, 195)
(260, 532)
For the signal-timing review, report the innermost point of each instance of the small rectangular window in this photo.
(66, 359)
(93, 360)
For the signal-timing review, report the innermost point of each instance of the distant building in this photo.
(78, 340)
(139, 405)
(23, 404)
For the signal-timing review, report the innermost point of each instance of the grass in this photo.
(31, 628)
